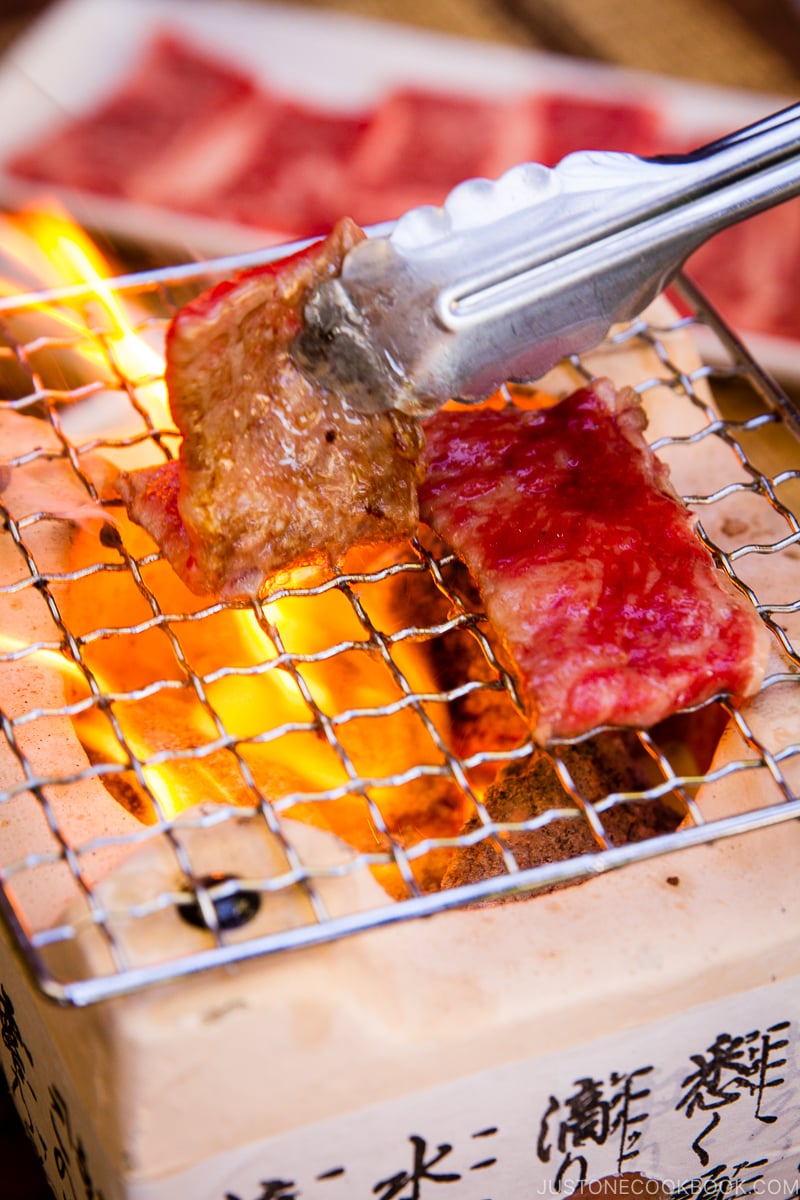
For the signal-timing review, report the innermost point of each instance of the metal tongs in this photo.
(508, 277)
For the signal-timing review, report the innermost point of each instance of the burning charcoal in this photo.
(485, 717)
(529, 788)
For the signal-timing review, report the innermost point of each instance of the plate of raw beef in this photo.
(220, 127)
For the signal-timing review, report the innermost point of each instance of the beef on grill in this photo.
(610, 607)
(273, 470)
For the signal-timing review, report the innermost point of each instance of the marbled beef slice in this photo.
(609, 606)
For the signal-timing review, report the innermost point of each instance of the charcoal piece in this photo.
(529, 788)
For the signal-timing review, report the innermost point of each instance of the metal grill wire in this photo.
(47, 378)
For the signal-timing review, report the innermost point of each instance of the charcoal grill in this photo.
(240, 877)
(59, 408)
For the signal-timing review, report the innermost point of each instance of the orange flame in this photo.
(46, 250)
(287, 699)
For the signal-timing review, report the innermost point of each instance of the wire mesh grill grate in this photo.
(172, 769)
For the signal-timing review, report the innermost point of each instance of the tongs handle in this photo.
(663, 207)
(508, 277)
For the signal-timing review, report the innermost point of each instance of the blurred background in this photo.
(188, 129)
(174, 129)
(743, 43)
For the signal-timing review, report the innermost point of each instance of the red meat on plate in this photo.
(610, 608)
(172, 93)
(421, 142)
(749, 272)
(294, 171)
(563, 123)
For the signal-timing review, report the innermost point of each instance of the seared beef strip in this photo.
(274, 470)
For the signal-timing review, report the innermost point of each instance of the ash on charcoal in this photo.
(528, 789)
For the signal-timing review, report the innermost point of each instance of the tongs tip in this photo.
(336, 349)
(508, 277)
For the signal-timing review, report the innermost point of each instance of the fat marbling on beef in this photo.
(610, 607)
(273, 469)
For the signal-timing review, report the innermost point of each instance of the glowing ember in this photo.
(299, 702)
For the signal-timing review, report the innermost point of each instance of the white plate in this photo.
(81, 50)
